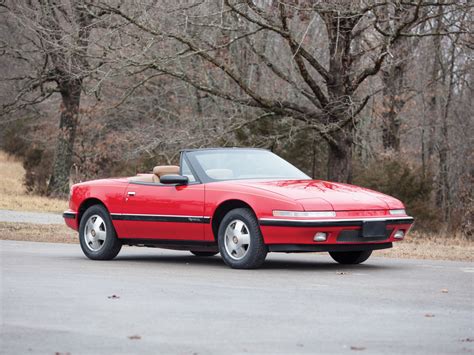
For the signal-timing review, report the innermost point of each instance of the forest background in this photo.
(375, 93)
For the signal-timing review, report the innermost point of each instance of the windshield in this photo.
(230, 164)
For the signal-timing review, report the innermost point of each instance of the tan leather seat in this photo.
(142, 178)
(158, 171)
(161, 170)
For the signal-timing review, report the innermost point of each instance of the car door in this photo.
(164, 212)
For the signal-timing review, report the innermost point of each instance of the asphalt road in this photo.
(54, 300)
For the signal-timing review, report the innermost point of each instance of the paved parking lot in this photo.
(54, 300)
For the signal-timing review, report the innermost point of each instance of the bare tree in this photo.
(52, 41)
(332, 48)
(315, 81)
(395, 89)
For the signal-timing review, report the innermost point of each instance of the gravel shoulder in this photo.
(30, 217)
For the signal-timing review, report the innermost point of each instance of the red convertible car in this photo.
(241, 203)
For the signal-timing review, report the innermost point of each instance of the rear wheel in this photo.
(97, 234)
(204, 253)
(350, 257)
(240, 240)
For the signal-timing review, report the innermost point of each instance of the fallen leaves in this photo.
(429, 315)
(357, 348)
(134, 337)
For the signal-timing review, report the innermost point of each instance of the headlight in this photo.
(397, 212)
(304, 214)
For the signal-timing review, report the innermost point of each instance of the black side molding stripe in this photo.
(203, 243)
(69, 215)
(345, 223)
(159, 218)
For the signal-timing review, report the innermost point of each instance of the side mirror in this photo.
(174, 179)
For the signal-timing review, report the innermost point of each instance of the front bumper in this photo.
(305, 248)
(70, 218)
(298, 234)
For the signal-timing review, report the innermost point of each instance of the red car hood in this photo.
(325, 195)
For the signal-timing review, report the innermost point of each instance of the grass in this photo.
(29, 232)
(13, 195)
(424, 246)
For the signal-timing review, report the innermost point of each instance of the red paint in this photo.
(164, 200)
(202, 200)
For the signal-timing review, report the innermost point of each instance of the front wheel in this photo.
(97, 234)
(240, 240)
(350, 257)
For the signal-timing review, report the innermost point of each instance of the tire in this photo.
(204, 253)
(350, 257)
(240, 240)
(97, 234)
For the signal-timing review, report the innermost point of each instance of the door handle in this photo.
(131, 193)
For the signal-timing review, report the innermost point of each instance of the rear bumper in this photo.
(294, 233)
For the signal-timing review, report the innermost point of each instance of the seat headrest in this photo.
(161, 170)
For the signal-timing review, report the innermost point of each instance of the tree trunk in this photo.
(433, 89)
(391, 131)
(63, 158)
(444, 191)
(340, 156)
(392, 104)
(340, 93)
